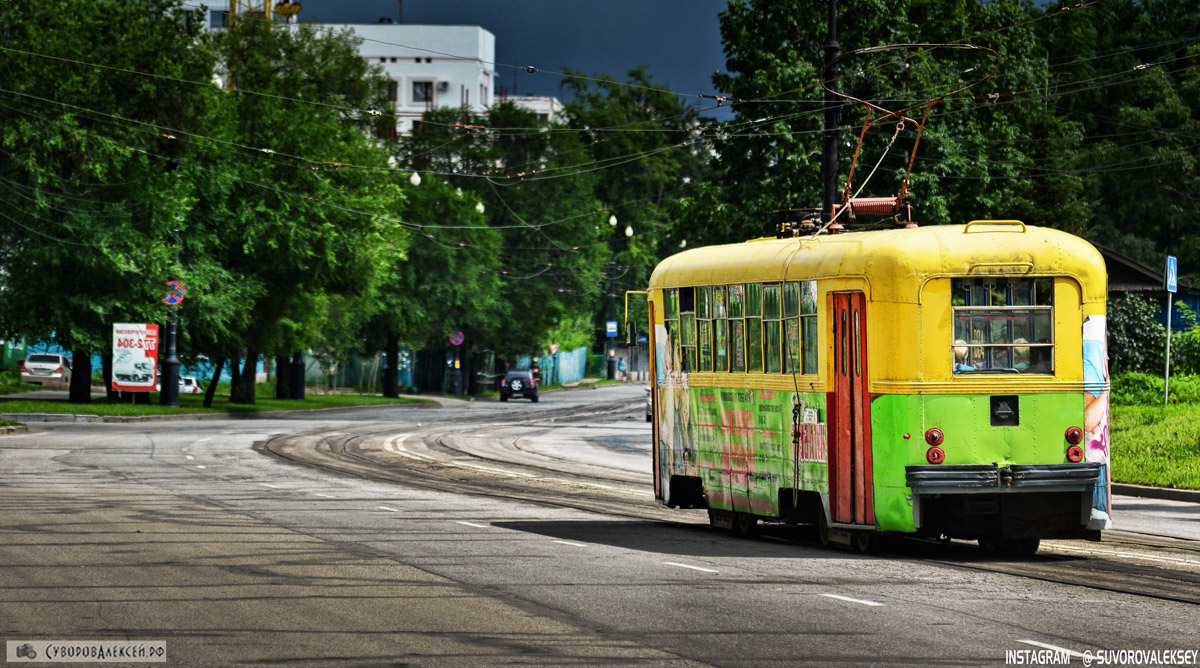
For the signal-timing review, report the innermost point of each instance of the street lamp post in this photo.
(168, 394)
(611, 351)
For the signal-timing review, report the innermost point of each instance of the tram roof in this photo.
(895, 261)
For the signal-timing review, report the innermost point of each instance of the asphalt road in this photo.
(206, 535)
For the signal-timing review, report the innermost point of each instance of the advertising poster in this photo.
(135, 357)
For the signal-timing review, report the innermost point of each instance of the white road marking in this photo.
(189, 456)
(209, 438)
(851, 600)
(1051, 647)
(394, 510)
(324, 496)
(477, 526)
(694, 568)
(572, 544)
(267, 484)
(201, 466)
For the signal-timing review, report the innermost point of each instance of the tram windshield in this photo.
(1003, 325)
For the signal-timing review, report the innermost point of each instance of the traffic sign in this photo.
(456, 339)
(612, 329)
(1172, 274)
(175, 292)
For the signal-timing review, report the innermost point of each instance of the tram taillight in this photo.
(935, 455)
(934, 436)
(1075, 454)
(1074, 435)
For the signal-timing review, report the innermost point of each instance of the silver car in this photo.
(46, 368)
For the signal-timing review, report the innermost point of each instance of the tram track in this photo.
(1125, 562)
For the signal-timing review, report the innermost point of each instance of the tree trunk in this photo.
(283, 377)
(81, 377)
(391, 372)
(248, 376)
(235, 380)
(212, 384)
(112, 395)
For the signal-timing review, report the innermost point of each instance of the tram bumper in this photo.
(1016, 501)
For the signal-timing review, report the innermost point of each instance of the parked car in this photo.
(649, 407)
(46, 368)
(187, 385)
(519, 384)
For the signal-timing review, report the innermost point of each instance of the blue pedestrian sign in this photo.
(1172, 274)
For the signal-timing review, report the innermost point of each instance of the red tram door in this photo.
(850, 483)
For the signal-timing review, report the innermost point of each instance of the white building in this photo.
(548, 108)
(430, 65)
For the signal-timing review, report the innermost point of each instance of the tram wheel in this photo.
(865, 541)
(822, 528)
(1015, 547)
(745, 524)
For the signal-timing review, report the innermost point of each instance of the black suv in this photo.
(518, 384)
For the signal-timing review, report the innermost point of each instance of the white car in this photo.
(46, 368)
(187, 385)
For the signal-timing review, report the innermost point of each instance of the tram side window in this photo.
(791, 327)
(720, 329)
(1003, 325)
(737, 328)
(808, 325)
(687, 327)
(754, 337)
(704, 334)
(671, 318)
(772, 348)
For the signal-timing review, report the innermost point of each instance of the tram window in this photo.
(672, 310)
(737, 351)
(1003, 325)
(792, 327)
(808, 334)
(718, 302)
(687, 340)
(704, 344)
(687, 300)
(704, 303)
(772, 345)
(736, 293)
(753, 299)
(754, 345)
(720, 345)
(791, 300)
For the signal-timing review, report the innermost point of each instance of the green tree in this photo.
(974, 156)
(305, 218)
(537, 185)
(646, 137)
(90, 193)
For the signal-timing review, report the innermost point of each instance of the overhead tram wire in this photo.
(420, 229)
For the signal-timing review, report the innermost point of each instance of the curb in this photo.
(1168, 493)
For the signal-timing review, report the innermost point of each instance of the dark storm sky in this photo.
(680, 42)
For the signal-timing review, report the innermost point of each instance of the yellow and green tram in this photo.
(944, 381)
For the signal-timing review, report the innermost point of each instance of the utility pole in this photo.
(832, 104)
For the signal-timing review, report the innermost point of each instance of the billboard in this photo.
(135, 357)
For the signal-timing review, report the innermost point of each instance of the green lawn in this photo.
(193, 403)
(1156, 445)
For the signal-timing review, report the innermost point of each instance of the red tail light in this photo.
(935, 455)
(1074, 435)
(1075, 454)
(934, 436)
(58, 370)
